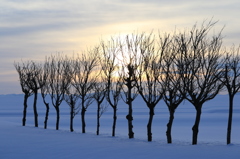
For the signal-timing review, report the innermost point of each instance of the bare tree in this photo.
(231, 80)
(71, 96)
(34, 71)
(129, 49)
(148, 74)
(58, 82)
(110, 68)
(201, 68)
(113, 97)
(84, 80)
(171, 82)
(99, 95)
(22, 72)
(44, 87)
(71, 99)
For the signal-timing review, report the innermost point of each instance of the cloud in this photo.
(33, 29)
(31, 17)
(18, 30)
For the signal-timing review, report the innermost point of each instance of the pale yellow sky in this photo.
(33, 29)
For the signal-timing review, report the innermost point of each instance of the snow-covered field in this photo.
(18, 142)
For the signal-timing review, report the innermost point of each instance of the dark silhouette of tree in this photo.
(71, 99)
(110, 68)
(34, 71)
(129, 52)
(113, 97)
(231, 81)
(71, 95)
(99, 95)
(84, 79)
(44, 87)
(22, 72)
(148, 74)
(171, 82)
(58, 82)
(201, 68)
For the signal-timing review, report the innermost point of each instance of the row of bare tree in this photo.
(189, 65)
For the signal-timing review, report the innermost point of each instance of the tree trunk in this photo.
(58, 116)
(71, 118)
(129, 117)
(46, 115)
(83, 119)
(229, 127)
(169, 126)
(196, 124)
(25, 109)
(98, 118)
(35, 109)
(149, 125)
(114, 120)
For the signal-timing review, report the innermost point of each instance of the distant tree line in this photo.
(186, 65)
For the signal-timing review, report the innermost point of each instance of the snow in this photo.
(17, 142)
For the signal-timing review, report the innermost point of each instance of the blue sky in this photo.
(30, 30)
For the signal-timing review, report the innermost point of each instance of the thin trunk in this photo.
(71, 118)
(114, 120)
(83, 119)
(46, 115)
(25, 109)
(35, 109)
(229, 127)
(98, 118)
(169, 126)
(58, 116)
(149, 125)
(195, 127)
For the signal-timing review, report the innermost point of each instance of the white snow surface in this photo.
(29, 142)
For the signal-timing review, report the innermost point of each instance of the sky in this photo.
(32, 30)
